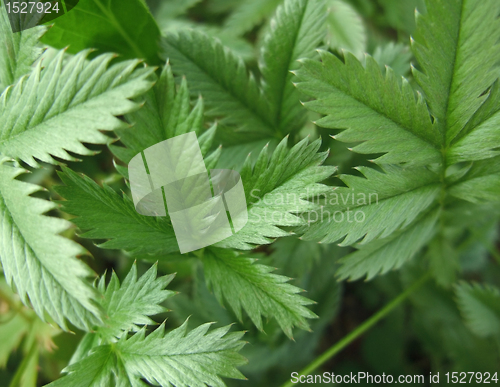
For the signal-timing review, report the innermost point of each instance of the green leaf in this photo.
(482, 138)
(182, 358)
(249, 14)
(481, 184)
(54, 110)
(382, 255)
(373, 206)
(381, 112)
(401, 14)
(38, 261)
(104, 214)
(456, 44)
(166, 113)
(18, 51)
(396, 56)
(345, 27)
(480, 308)
(228, 88)
(277, 189)
(296, 31)
(216, 73)
(252, 287)
(95, 370)
(128, 305)
(126, 28)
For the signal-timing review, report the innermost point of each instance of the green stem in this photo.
(344, 342)
(31, 356)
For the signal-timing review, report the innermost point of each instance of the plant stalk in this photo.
(346, 340)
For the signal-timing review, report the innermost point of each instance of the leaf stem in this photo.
(344, 342)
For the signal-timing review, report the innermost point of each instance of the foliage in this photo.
(267, 87)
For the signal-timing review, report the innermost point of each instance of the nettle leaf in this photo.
(128, 305)
(18, 51)
(346, 30)
(373, 206)
(182, 358)
(254, 288)
(126, 28)
(38, 261)
(231, 92)
(277, 189)
(381, 112)
(104, 214)
(52, 111)
(480, 308)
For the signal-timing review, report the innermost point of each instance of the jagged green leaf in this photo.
(480, 308)
(230, 90)
(252, 287)
(346, 30)
(40, 263)
(248, 14)
(277, 189)
(373, 206)
(382, 255)
(104, 214)
(128, 305)
(53, 110)
(456, 44)
(182, 358)
(295, 32)
(381, 112)
(18, 51)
